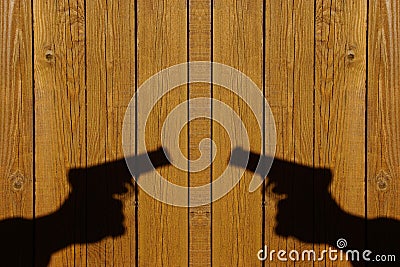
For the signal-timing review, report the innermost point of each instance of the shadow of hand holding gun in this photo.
(308, 212)
(91, 212)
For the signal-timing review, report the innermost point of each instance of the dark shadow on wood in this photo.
(307, 211)
(89, 214)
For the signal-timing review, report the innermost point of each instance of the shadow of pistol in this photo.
(282, 175)
(115, 174)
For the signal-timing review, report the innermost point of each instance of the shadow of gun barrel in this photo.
(116, 173)
(284, 174)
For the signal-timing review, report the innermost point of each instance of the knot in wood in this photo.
(17, 181)
(49, 55)
(382, 181)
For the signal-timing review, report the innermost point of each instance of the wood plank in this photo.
(120, 53)
(383, 141)
(163, 229)
(110, 86)
(237, 217)
(303, 126)
(340, 75)
(60, 129)
(289, 67)
(16, 131)
(16, 104)
(97, 60)
(319, 123)
(279, 91)
(199, 50)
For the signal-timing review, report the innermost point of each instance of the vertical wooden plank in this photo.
(120, 60)
(16, 135)
(340, 74)
(60, 128)
(289, 72)
(199, 50)
(237, 217)
(97, 42)
(163, 229)
(302, 136)
(120, 88)
(110, 86)
(383, 121)
(279, 91)
(16, 140)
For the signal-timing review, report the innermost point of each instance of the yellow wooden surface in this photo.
(289, 71)
(329, 70)
(60, 117)
(199, 43)
(16, 119)
(162, 229)
(237, 218)
(110, 67)
(383, 111)
(340, 75)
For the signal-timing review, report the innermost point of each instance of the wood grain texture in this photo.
(237, 217)
(340, 94)
(330, 70)
(200, 34)
(278, 49)
(383, 111)
(98, 62)
(289, 62)
(120, 52)
(163, 229)
(59, 113)
(16, 127)
(340, 75)
(110, 44)
(16, 136)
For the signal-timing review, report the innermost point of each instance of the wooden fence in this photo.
(329, 70)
